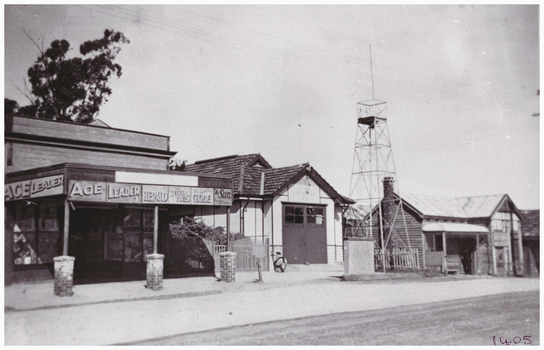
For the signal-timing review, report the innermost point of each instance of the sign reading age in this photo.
(45, 186)
(86, 191)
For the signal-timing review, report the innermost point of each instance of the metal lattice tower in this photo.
(372, 163)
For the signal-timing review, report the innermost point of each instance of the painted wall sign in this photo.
(500, 239)
(154, 194)
(88, 191)
(304, 191)
(222, 196)
(41, 187)
(124, 193)
(179, 195)
(202, 196)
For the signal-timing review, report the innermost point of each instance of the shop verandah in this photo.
(109, 219)
(456, 247)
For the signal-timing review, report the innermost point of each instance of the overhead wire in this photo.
(306, 55)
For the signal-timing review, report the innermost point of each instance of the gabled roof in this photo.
(530, 226)
(253, 176)
(481, 206)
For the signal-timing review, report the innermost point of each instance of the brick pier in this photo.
(155, 264)
(228, 266)
(64, 275)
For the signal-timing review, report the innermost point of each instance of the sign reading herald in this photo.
(90, 191)
(44, 186)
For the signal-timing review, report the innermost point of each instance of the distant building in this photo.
(293, 208)
(531, 242)
(470, 235)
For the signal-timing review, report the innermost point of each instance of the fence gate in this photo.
(247, 255)
(396, 259)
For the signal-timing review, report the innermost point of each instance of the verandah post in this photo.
(155, 261)
(156, 230)
(64, 265)
(66, 232)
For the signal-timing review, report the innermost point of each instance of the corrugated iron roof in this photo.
(435, 206)
(480, 206)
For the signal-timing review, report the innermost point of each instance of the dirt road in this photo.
(489, 320)
(239, 304)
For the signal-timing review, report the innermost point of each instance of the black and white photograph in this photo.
(192, 174)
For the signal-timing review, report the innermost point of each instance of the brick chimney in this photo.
(389, 207)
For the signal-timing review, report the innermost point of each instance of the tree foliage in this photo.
(73, 89)
(10, 106)
(189, 227)
(177, 164)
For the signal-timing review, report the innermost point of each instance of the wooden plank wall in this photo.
(28, 156)
(47, 128)
(414, 229)
(484, 251)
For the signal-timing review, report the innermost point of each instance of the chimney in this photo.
(389, 208)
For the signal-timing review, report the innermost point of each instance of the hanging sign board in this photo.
(155, 194)
(88, 191)
(179, 195)
(124, 193)
(500, 239)
(41, 187)
(222, 196)
(202, 196)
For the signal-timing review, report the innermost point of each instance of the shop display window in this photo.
(24, 248)
(48, 220)
(48, 246)
(132, 222)
(25, 217)
(133, 247)
(149, 220)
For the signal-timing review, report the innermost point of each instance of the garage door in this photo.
(304, 234)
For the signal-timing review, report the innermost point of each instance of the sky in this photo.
(460, 84)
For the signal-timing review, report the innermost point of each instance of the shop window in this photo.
(501, 222)
(36, 232)
(294, 215)
(132, 228)
(24, 235)
(314, 216)
(434, 243)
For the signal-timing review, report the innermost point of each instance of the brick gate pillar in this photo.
(64, 275)
(155, 264)
(228, 266)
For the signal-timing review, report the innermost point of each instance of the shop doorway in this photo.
(109, 244)
(461, 253)
(304, 234)
(189, 256)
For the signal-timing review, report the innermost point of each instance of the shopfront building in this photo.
(101, 195)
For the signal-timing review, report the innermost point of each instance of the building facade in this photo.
(102, 195)
(293, 208)
(468, 235)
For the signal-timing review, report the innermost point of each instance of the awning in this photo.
(453, 227)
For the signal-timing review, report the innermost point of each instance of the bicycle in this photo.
(280, 263)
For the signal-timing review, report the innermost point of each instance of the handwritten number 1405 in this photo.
(516, 340)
